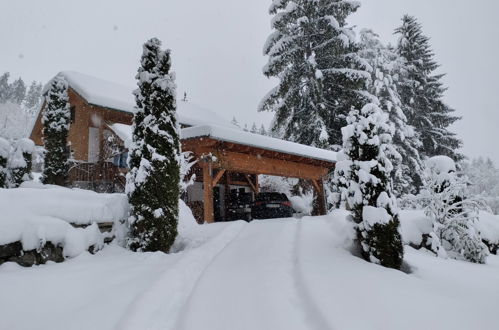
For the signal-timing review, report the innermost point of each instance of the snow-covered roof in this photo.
(238, 136)
(113, 95)
(258, 141)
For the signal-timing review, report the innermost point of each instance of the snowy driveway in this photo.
(271, 274)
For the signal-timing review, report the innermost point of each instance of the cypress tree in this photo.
(422, 92)
(153, 186)
(363, 170)
(313, 53)
(55, 119)
(386, 66)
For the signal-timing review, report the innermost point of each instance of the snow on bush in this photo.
(20, 162)
(453, 213)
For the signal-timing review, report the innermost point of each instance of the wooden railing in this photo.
(94, 174)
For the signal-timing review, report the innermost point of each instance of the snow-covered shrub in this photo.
(153, 182)
(56, 117)
(453, 213)
(4, 157)
(20, 162)
(363, 175)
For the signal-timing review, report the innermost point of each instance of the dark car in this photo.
(269, 205)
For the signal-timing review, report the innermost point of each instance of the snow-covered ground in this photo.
(269, 274)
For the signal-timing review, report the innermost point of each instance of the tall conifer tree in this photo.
(385, 69)
(153, 186)
(422, 90)
(313, 54)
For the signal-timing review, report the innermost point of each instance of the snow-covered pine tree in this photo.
(55, 119)
(4, 158)
(363, 171)
(313, 54)
(386, 65)
(18, 91)
(20, 162)
(262, 130)
(4, 87)
(254, 128)
(421, 92)
(153, 186)
(235, 122)
(453, 213)
(33, 95)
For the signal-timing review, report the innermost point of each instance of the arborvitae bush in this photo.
(153, 186)
(56, 118)
(363, 173)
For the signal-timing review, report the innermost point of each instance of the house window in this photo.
(73, 114)
(120, 160)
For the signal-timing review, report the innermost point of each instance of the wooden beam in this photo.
(257, 184)
(217, 177)
(252, 164)
(209, 216)
(253, 187)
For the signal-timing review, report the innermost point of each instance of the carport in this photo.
(232, 156)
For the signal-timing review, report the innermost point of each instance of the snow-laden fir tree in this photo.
(20, 162)
(262, 130)
(483, 176)
(153, 186)
(235, 122)
(385, 66)
(18, 91)
(55, 119)
(421, 91)
(254, 128)
(4, 87)
(33, 95)
(4, 158)
(364, 173)
(453, 213)
(313, 53)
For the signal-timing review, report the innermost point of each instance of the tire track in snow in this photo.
(250, 285)
(159, 306)
(313, 313)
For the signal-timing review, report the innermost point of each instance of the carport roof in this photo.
(240, 137)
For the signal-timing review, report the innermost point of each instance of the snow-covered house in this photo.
(229, 160)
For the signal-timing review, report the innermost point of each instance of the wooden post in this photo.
(208, 193)
(320, 197)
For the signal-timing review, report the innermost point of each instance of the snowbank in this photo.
(35, 214)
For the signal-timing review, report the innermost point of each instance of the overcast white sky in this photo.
(217, 49)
